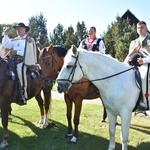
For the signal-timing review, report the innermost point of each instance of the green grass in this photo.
(25, 133)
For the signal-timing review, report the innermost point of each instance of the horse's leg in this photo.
(78, 106)
(4, 117)
(47, 98)
(112, 129)
(69, 114)
(104, 113)
(10, 109)
(125, 125)
(41, 105)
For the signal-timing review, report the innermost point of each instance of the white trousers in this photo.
(21, 71)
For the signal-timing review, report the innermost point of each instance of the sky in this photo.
(98, 13)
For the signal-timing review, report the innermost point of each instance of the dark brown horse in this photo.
(51, 62)
(8, 93)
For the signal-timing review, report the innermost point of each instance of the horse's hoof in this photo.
(117, 123)
(3, 144)
(51, 125)
(73, 140)
(145, 113)
(102, 120)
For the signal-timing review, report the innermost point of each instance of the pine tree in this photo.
(57, 37)
(38, 29)
(118, 38)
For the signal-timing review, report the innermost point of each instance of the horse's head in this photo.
(71, 71)
(50, 63)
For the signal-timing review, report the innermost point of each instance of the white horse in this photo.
(115, 80)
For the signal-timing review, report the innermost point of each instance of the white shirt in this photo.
(17, 44)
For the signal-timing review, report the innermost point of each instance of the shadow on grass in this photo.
(54, 139)
(144, 129)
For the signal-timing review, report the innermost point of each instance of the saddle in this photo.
(12, 75)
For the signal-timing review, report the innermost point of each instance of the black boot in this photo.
(141, 106)
(22, 101)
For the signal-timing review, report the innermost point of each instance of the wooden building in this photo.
(132, 18)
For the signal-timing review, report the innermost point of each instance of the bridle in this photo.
(52, 63)
(71, 75)
(70, 78)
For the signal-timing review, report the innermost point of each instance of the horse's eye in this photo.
(69, 66)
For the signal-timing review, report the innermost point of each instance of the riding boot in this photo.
(141, 106)
(23, 100)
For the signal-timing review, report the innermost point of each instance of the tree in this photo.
(70, 38)
(81, 32)
(57, 37)
(118, 37)
(109, 41)
(38, 29)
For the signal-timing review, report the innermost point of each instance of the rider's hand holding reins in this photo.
(140, 61)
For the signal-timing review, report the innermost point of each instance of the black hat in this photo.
(22, 25)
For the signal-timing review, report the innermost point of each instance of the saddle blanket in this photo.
(33, 74)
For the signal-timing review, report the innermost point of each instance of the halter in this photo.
(70, 78)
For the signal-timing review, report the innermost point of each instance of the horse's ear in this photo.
(74, 49)
(50, 48)
(39, 47)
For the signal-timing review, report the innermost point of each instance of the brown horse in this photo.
(51, 63)
(8, 95)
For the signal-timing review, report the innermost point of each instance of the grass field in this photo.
(25, 133)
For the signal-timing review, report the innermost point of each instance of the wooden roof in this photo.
(131, 17)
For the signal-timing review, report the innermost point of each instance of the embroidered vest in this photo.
(135, 44)
(94, 46)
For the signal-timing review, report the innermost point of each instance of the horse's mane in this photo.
(61, 51)
(96, 52)
(107, 57)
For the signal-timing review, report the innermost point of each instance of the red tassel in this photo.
(146, 95)
(138, 48)
(23, 86)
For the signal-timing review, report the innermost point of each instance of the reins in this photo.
(6, 54)
(106, 77)
(73, 71)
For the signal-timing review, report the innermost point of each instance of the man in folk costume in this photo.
(24, 47)
(140, 49)
(91, 43)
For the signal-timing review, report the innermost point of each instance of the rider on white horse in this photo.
(141, 47)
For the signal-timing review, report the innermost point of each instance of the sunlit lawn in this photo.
(25, 133)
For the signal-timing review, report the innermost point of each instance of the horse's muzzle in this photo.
(62, 86)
